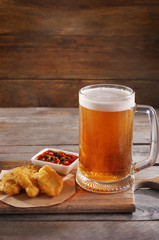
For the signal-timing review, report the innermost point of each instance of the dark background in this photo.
(50, 49)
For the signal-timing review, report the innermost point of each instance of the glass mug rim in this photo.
(100, 97)
(115, 86)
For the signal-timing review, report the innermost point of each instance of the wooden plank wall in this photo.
(50, 49)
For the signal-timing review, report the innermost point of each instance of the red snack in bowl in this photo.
(57, 157)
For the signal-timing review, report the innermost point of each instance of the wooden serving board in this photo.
(82, 201)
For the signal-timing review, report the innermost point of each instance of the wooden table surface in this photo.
(25, 131)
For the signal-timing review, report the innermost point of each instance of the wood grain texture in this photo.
(82, 18)
(80, 230)
(152, 183)
(64, 93)
(82, 58)
(46, 49)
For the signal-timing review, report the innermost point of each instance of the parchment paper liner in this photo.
(23, 201)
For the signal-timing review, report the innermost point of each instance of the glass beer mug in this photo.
(106, 115)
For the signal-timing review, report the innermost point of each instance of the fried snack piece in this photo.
(24, 176)
(8, 184)
(49, 181)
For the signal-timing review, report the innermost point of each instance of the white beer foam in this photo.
(107, 99)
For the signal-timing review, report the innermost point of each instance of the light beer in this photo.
(105, 134)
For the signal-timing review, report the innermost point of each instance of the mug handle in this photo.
(154, 144)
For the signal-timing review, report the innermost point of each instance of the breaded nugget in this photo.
(49, 181)
(24, 176)
(8, 184)
(32, 180)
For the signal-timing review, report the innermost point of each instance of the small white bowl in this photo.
(62, 169)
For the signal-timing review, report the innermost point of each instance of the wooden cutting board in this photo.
(83, 201)
(87, 202)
